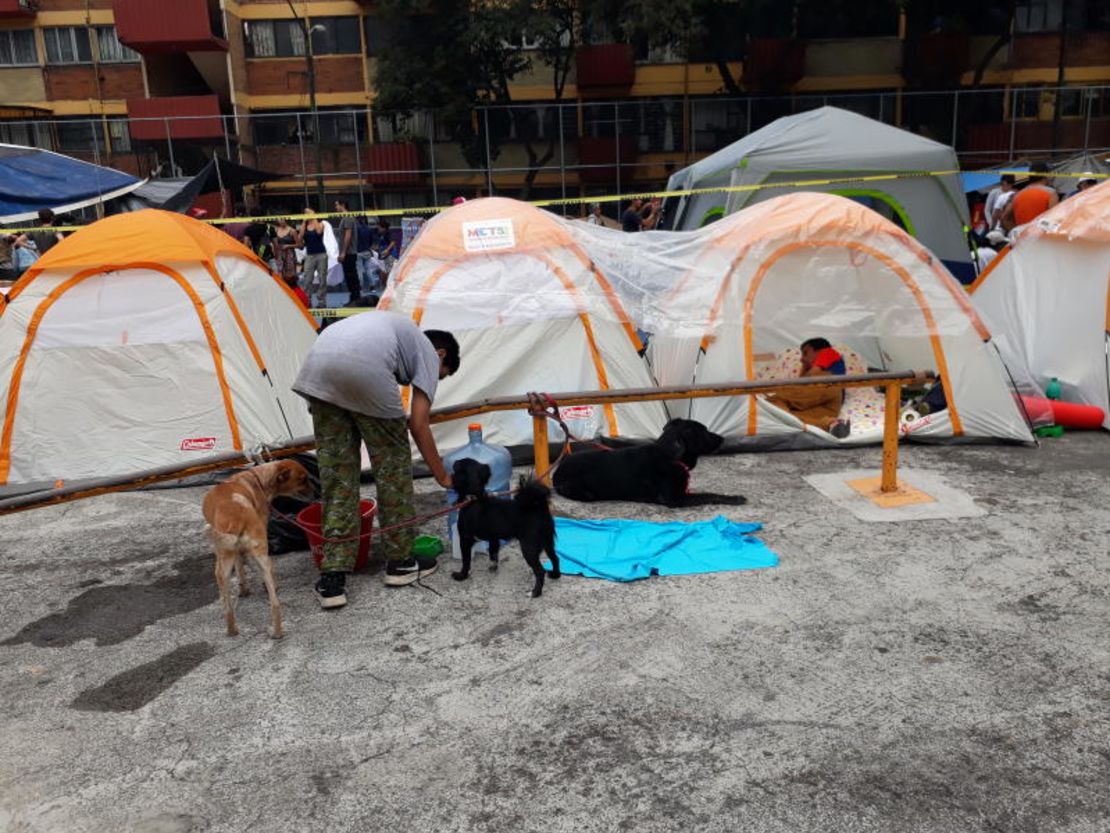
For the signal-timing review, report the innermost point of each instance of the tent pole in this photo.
(890, 437)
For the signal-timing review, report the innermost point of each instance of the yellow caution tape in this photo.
(641, 195)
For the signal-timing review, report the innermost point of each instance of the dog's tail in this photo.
(531, 494)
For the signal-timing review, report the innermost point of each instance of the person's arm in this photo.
(1007, 218)
(346, 247)
(421, 430)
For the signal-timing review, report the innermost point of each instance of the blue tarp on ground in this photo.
(31, 178)
(631, 550)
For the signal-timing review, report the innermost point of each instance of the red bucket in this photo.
(310, 519)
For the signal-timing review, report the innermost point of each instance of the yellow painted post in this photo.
(890, 437)
(541, 451)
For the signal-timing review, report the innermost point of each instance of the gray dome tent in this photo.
(830, 143)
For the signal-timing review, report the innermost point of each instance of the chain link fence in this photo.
(548, 150)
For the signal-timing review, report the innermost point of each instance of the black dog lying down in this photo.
(525, 517)
(656, 473)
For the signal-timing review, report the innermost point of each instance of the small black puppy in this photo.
(525, 517)
(655, 473)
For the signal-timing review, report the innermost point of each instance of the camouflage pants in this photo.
(338, 435)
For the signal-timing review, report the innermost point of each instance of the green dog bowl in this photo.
(427, 546)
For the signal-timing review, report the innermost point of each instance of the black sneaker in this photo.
(413, 568)
(332, 589)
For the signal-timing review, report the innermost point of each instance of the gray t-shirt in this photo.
(359, 362)
(344, 224)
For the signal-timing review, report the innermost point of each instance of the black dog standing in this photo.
(526, 517)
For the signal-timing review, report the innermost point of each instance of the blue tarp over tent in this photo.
(32, 178)
(976, 181)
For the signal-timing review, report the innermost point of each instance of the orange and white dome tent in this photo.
(756, 284)
(146, 340)
(1048, 297)
(532, 313)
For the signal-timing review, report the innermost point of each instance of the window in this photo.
(379, 34)
(274, 38)
(285, 38)
(110, 50)
(17, 48)
(79, 135)
(338, 36)
(336, 128)
(1045, 15)
(67, 45)
(27, 134)
(119, 135)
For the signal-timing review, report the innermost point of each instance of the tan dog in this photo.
(237, 511)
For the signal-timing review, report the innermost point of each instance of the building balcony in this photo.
(609, 66)
(393, 163)
(17, 8)
(176, 118)
(774, 64)
(154, 27)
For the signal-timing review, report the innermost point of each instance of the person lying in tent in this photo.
(819, 407)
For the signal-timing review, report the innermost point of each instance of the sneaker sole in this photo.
(330, 602)
(408, 578)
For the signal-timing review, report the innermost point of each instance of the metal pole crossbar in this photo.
(891, 382)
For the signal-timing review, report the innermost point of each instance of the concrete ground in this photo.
(931, 676)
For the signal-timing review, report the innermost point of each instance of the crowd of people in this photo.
(19, 251)
(300, 252)
(1014, 203)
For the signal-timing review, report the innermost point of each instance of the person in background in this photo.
(595, 217)
(632, 219)
(651, 213)
(364, 249)
(48, 237)
(1085, 182)
(311, 236)
(8, 244)
(815, 406)
(1031, 201)
(387, 249)
(997, 200)
(238, 229)
(285, 250)
(996, 242)
(348, 248)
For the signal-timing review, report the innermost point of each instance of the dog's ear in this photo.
(283, 475)
(484, 473)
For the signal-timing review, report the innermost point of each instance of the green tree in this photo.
(452, 57)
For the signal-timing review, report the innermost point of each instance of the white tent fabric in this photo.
(726, 301)
(1046, 296)
(531, 313)
(830, 143)
(146, 340)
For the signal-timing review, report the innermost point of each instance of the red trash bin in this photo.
(310, 520)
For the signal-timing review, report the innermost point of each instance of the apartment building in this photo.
(160, 86)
